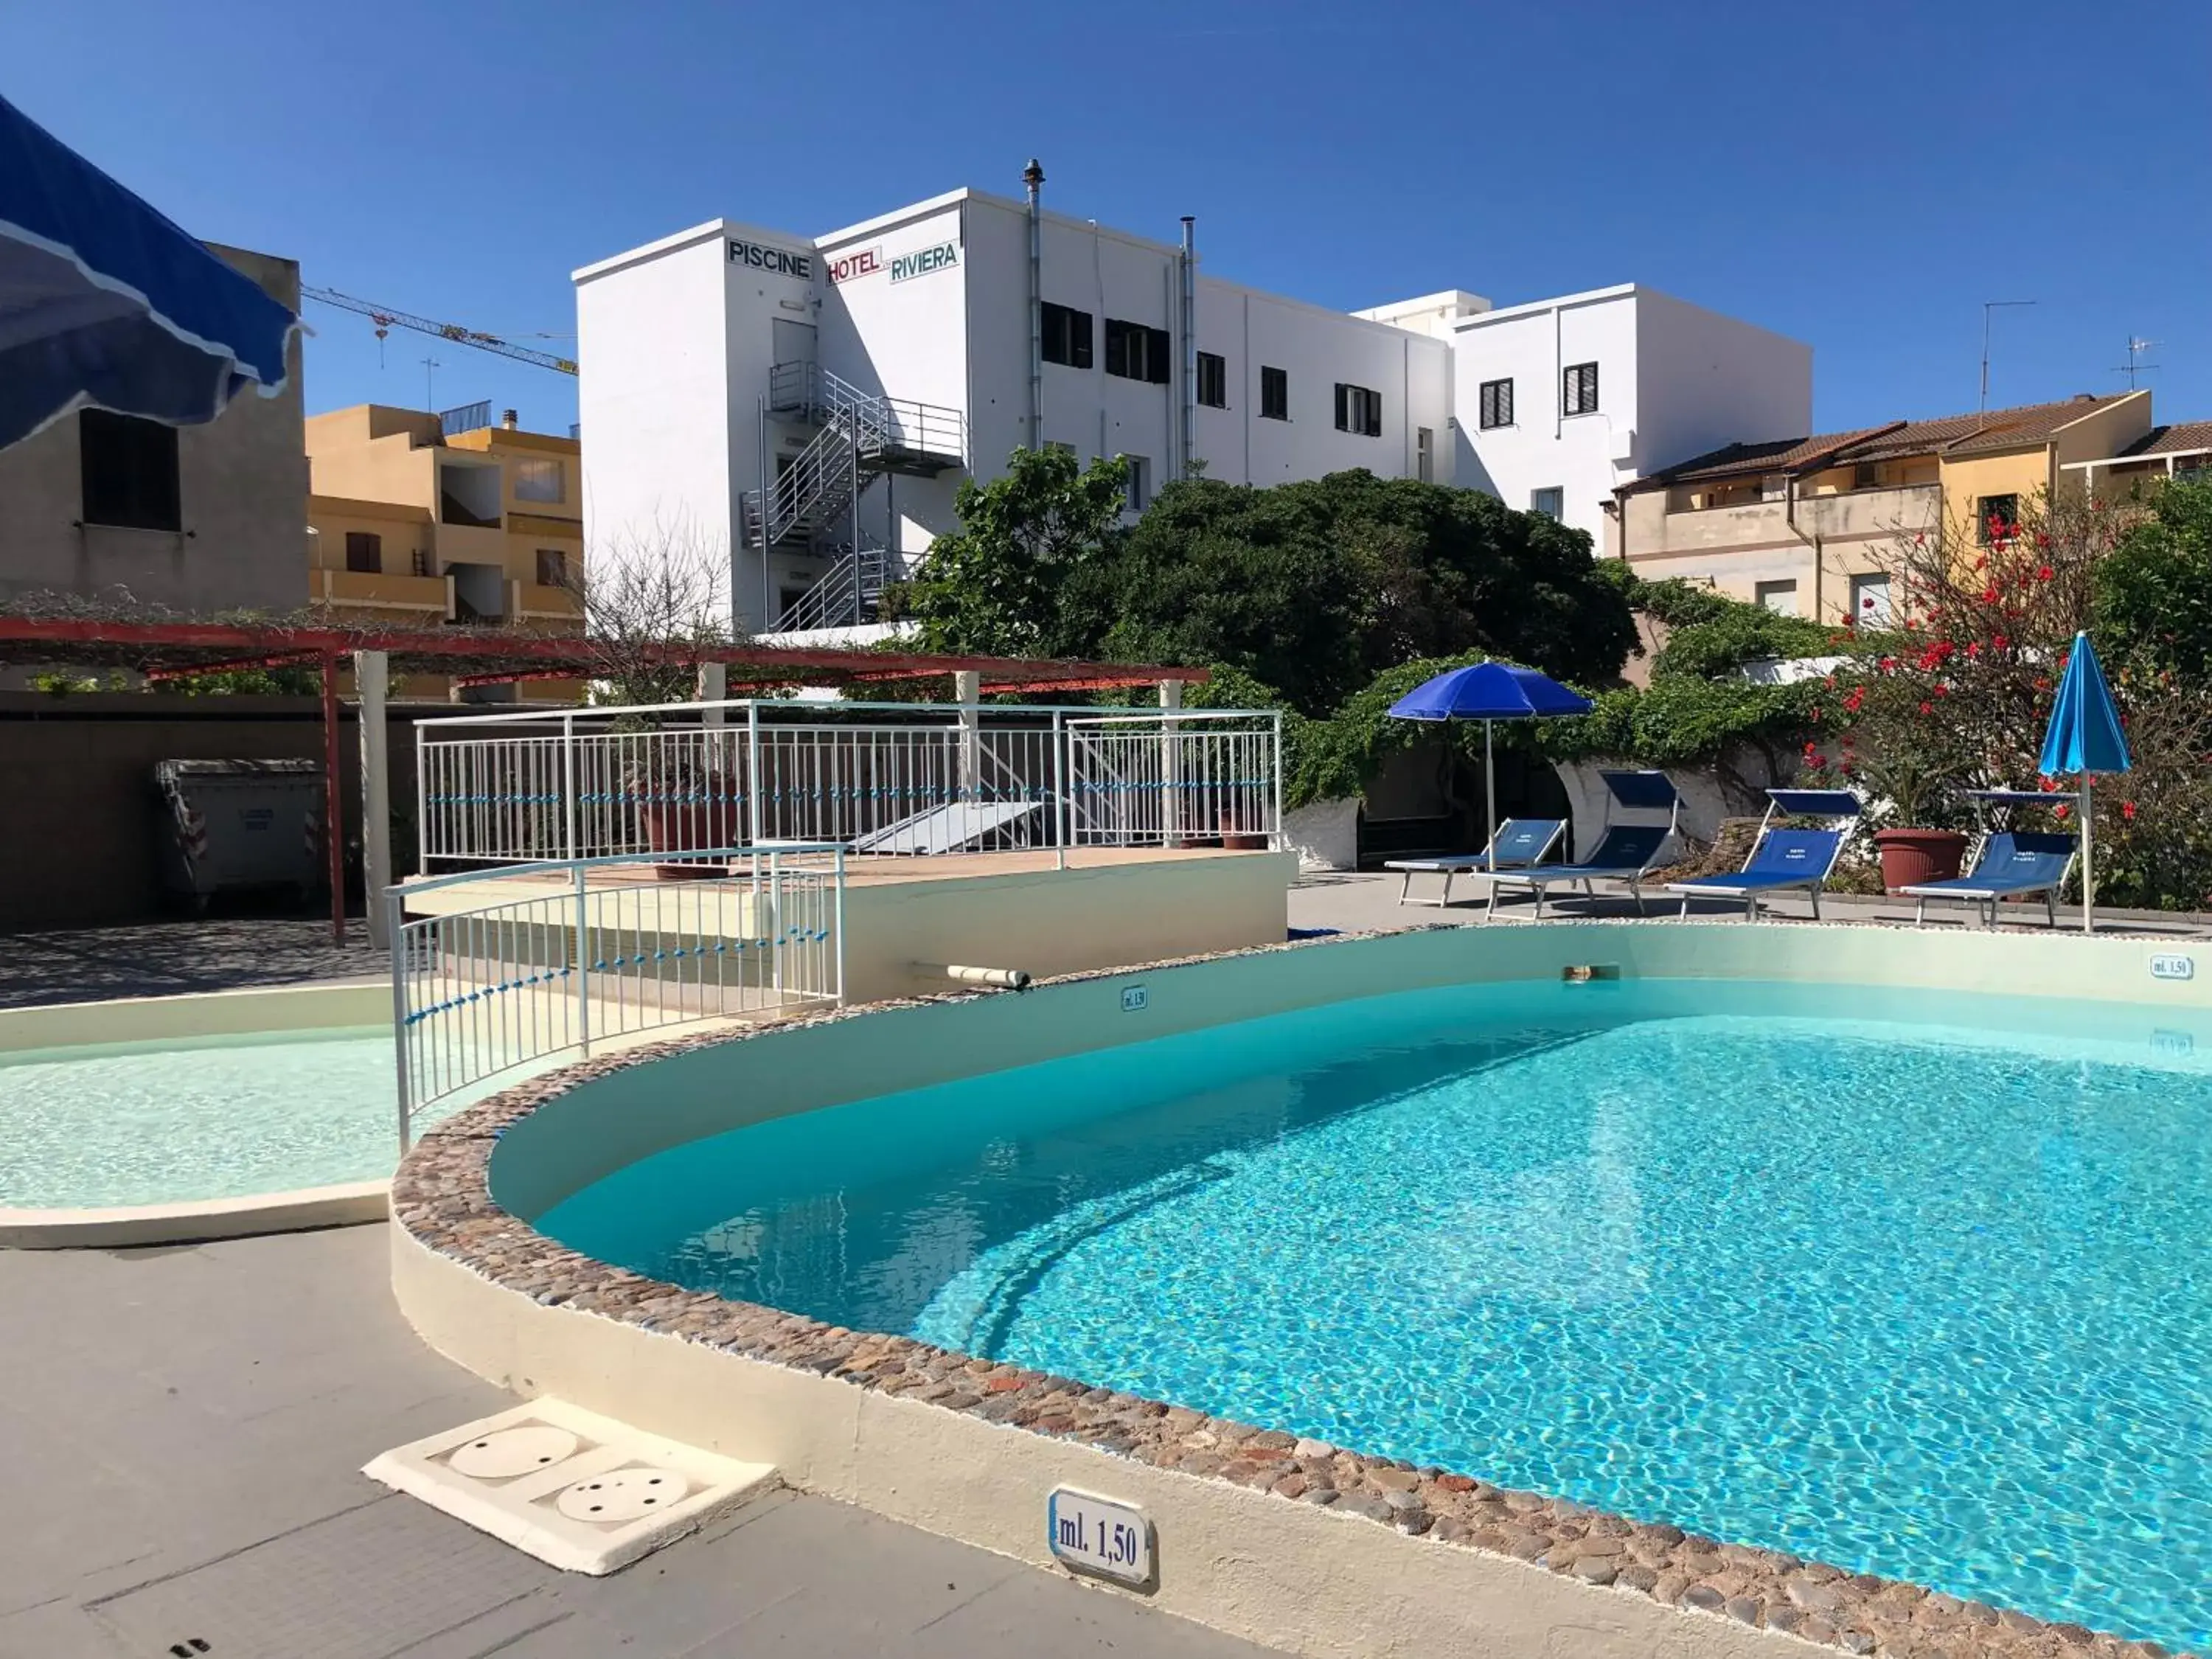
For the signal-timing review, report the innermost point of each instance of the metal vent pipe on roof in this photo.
(1033, 181)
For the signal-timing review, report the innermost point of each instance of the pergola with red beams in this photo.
(178, 650)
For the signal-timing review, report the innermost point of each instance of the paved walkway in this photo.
(168, 958)
(1350, 902)
(181, 1428)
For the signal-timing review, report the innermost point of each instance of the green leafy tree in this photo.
(1317, 587)
(2153, 591)
(995, 588)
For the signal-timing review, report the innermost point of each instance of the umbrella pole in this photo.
(1489, 792)
(2088, 880)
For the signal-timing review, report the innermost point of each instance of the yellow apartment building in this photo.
(1810, 525)
(411, 526)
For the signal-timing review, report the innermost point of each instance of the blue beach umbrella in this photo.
(1487, 692)
(2084, 738)
(104, 301)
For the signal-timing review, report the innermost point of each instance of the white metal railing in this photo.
(1164, 781)
(878, 778)
(585, 951)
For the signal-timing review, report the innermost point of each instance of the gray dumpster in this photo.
(241, 823)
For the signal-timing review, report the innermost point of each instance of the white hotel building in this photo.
(860, 375)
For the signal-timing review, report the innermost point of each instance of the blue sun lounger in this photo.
(1785, 861)
(1518, 843)
(2015, 864)
(1625, 852)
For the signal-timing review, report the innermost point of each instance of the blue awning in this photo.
(104, 302)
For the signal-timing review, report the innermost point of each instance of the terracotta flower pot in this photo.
(683, 827)
(1911, 858)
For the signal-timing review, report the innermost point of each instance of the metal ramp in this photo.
(953, 828)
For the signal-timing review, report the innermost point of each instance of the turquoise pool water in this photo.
(1917, 1284)
(203, 1118)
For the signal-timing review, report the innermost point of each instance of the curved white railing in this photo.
(511, 968)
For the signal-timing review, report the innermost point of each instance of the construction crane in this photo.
(387, 318)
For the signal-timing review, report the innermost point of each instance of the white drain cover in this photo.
(511, 1452)
(623, 1495)
(579, 1491)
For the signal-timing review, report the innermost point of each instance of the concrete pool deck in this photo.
(184, 1440)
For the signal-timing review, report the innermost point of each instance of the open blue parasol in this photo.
(1489, 691)
(104, 302)
(2084, 738)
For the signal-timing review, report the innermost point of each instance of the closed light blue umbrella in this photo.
(2084, 737)
(1489, 691)
(104, 301)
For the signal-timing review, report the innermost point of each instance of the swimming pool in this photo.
(1914, 1284)
(183, 1118)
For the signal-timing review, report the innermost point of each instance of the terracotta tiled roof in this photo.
(1950, 435)
(2187, 437)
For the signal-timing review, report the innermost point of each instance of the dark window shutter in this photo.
(1162, 355)
(1079, 326)
(1341, 423)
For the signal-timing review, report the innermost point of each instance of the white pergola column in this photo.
(968, 692)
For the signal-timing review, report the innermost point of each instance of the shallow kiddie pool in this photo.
(1914, 1280)
(170, 1117)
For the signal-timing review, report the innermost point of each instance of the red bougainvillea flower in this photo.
(1974, 647)
(2058, 812)
(2041, 539)
(2049, 784)
(1927, 707)
(1889, 664)
(2000, 641)
(1990, 594)
(2128, 810)
(2042, 573)
(1812, 750)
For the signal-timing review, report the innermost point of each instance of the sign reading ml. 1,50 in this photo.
(1098, 1535)
(942, 257)
(781, 261)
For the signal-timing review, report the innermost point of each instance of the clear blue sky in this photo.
(1860, 177)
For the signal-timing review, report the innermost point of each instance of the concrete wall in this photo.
(652, 332)
(243, 489)
(1061, 921)
(1673, 381)
(83, 835)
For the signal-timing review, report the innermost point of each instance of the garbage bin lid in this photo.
(235, 769)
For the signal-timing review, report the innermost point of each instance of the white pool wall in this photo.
(614, 1120)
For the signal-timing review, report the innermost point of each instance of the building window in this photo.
(1496, 404)
(1140, 482)
(364, 552)
(552, 568)
(537, 481)
(1274, 394)
(1137, 353)
(1552, 503)
(1424, 454)
(1870, 601)
(1780, 598)
(1358, 410)
(1212, 380)
(1578, 389)
(1066, 336)
(1996, 518)
(1866, 475)
(129, 470)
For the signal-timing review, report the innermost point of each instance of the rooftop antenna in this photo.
(1989, 306)
(430, 367)
(2136, 365)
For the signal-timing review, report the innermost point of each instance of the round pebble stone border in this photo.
(441, 1195)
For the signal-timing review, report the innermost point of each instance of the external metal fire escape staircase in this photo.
(858, 438)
